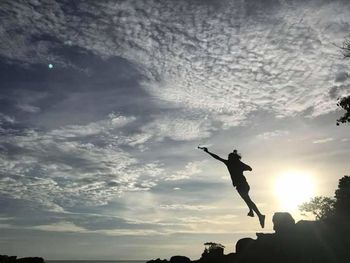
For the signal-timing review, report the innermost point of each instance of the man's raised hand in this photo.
(203, 148)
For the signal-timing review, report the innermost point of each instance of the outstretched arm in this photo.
(213, 154)
(246, 167)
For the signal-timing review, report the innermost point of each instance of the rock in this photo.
(179, 259)
(30, 260)
(302, 242)
(7, 259)
(13, 259)
(283, 223)
(243, 245)
(231, 257)
(158, 260)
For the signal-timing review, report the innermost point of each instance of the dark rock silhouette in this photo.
(30, 260)
(302, 242)
(179, 259)
(283, 222)
(243, 247)
(7, 259)
(14, 259)
(158, 260)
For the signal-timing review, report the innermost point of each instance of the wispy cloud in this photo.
(272, 134)
(28, 108)
(186, 207)
(191, 169)
(325, 140)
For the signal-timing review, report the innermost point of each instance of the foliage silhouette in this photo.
(342, 196)
(331, 208)
(321, 207)
(212, 251)
(345, 48)
(344, 103)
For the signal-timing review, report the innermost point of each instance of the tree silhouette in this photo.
(344, 102)
(326, 207)
(345, 48)
(342, 196)
(320, 206)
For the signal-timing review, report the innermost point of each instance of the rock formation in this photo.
(14, 259)
(304, 241)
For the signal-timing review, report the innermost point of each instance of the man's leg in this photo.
(250, 213)
(252, 206)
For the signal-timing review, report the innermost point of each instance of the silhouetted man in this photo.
(236, 169)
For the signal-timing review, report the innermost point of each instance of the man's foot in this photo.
(262, 220)
(251, 213)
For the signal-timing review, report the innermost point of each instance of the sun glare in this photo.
(293, 188)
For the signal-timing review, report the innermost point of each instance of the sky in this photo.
(103, 105)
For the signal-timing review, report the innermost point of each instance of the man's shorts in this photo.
(243, 188)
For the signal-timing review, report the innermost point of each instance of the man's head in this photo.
(234, 155)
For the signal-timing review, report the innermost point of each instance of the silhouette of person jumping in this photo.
(236, 169)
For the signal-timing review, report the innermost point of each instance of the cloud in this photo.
(82, 165)
(325, 140)
(178, 128)
(272, 134)
(191, 169)
(28, 215)
(186, 207)
(341, 76)
(339, 91)
(6, 119)
(113, 122)
(228, 60)
(73, 165)
(28, 108)
(60, 227)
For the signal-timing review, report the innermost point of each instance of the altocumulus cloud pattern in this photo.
(229, 58)
(178, 71)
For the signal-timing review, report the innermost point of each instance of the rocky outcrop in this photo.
(243, 246)
(30, 260)
(283, 222)
(158, 260)
(14, 259)
(179, 259)
(7, 259)
(304, 241)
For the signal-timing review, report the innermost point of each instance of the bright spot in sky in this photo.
(50, 66)
(293, 188)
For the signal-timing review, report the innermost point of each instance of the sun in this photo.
(293, 188)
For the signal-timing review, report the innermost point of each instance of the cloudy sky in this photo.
(103, 105)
